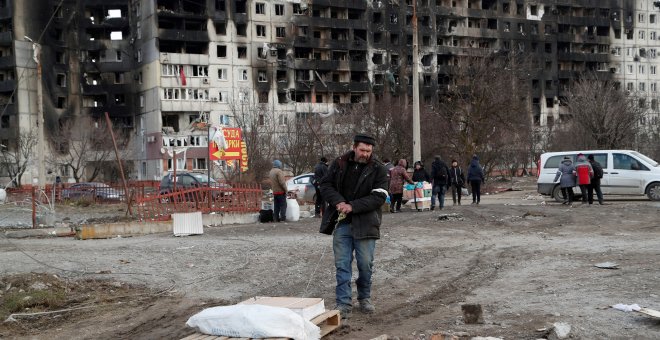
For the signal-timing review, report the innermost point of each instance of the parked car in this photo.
(92, 190)
(625, 172)
(189, 180)
(302, 186)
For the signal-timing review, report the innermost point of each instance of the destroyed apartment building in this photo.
(160, 67)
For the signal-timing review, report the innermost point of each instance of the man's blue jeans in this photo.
(439, 190)
(344, 245)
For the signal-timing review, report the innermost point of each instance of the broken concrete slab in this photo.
(560, 330)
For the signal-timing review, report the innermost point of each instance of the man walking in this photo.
(277, 182)
(440, 176)
(319, 172)
(355, 190)
(595, 181)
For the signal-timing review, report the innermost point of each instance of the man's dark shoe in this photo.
(432, 208)
(366, 306)
(344, 311)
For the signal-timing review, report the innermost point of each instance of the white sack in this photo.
(292, 210)
(254, 321)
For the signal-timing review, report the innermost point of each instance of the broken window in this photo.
(220, 28)
(394, 39)
(223, 97)
(242, 52)
(378, 37)
(280, 32)
(377, 58)
(61, 102)
(241, 6)
(394, 18)
(242, 74)
(222, 51)
(222, 74)
(241, 30)
(61, 80)
(261, 31)
(262, 77)
(120, 99)
(377, 17)
(119, 78)
(220, 5)
(533, 10)
(260, 8)
(279, 9)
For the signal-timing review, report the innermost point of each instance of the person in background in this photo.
(398, 176)
(476, 178)
(319, 171)
(583, 172)
(278, 183)
(355, 189)
(420, 174)
(440, 176)
(595, 181)
(456, 181)
(566, 177)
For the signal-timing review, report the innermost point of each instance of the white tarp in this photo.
(254, 321)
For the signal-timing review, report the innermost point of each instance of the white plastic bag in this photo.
(464, 192)
(254, 321)
(292, 210)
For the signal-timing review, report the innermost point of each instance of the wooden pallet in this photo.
(328, 322)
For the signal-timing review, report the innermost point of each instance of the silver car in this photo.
(303, 187)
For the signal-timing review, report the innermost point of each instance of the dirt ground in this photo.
(529, 262)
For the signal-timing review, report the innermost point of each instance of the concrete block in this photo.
(560, 330)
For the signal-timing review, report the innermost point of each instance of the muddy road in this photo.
(530, 262)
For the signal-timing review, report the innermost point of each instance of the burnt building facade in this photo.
(160, 67)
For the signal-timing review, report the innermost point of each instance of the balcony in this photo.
(353, 4)
(170, 13)
(6, 38)
(7, 85)
(7, 62)
(173, 34)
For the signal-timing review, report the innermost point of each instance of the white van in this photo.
(625, 172)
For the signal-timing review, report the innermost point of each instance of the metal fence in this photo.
(144, 198)
(240, 198)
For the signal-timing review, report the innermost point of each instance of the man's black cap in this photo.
(362, 138)
(590, 157)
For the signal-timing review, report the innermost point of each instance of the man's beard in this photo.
(362, 160)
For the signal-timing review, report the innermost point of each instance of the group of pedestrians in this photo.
(586, 173)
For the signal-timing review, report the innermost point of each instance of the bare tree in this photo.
(599, 116)
(386, 120)
(16, 158)
(484, 111)
(84, 146)
(257, 123)
(300, 147)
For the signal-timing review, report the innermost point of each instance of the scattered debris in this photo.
(472, 313)
(627, 308)
(451, 217)
(533, 214)
(486, 338)
(560, 330)
(650, 312)
(381, 337)
(607, 265)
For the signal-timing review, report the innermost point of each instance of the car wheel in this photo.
(557, 194)
(653, 191)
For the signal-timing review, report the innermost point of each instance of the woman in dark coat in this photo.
(420, 174)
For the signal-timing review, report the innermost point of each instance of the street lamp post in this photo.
(417, 147)
(36, 47)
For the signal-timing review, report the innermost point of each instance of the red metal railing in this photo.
(234, 198)
(146, 201)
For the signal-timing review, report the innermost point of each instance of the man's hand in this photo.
(344, 207)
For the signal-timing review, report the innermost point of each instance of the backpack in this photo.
(598, 171)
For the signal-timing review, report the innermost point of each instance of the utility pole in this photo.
(417, 148)
(36, 47)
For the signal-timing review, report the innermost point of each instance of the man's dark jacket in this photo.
(370, 193)
(439, 173)
(319, 172)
